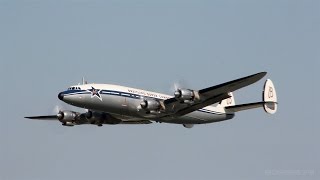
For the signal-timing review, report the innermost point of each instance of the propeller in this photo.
(177, 86)
(144, 104)
(177, 93)
(56, 109)
(57, 112)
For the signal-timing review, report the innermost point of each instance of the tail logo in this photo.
(229, 101)
(270, 93)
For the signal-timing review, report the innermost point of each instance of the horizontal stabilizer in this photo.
(243, 107)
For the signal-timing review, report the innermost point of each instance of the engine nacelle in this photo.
(186, 95)
(66, 116)
(150, 105)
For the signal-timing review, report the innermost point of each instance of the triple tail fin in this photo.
(269, 101)
(227, 102)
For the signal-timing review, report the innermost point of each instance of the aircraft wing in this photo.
(210, 95)
(53, 117)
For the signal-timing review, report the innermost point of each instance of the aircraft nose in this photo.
(60, 96)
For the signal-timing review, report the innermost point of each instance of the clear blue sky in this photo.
(45, 46)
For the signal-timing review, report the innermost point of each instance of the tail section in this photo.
(269, 101)
(270, 97)
(227, 102)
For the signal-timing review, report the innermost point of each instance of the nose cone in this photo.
(60, 96)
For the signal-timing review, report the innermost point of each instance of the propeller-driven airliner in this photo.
(108, 104)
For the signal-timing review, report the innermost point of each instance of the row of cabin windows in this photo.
(74, 88)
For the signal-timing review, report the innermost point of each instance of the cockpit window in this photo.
(74, 88)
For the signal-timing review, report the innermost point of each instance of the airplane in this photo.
(114, 104)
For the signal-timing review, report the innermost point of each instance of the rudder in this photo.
(228, 102)
(270, 97)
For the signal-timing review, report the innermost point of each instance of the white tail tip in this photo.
(228, 102)
(270, 97)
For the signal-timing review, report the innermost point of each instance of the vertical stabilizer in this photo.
(228, 102)
(270, 97)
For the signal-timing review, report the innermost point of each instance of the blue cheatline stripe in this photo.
(106, 92)
(128, 95)
(119, 93)
(74, 91)
(77, 93)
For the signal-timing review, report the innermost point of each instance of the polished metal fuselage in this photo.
(123, 103)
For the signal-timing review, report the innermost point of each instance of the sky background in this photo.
(46, 46)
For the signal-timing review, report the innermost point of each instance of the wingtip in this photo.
(29, 117)
(262, 74)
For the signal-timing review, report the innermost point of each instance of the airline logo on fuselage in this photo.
(148, 94)
(95, 93)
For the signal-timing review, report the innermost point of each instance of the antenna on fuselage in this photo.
(83, 81)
